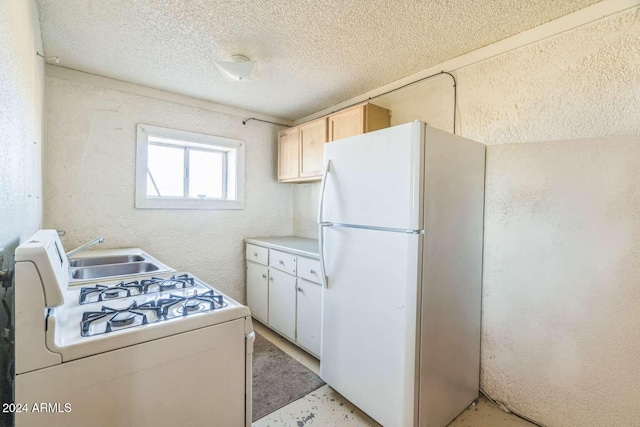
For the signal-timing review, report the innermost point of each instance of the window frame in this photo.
(190, 141)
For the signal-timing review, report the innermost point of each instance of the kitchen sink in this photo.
(113, 264)
(112, 270)
(104, 260)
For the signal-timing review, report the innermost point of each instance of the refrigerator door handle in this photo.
(322, 187)
(323, 271)
(321, 225)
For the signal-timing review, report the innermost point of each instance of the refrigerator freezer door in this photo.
(375, 179)
(369, 320)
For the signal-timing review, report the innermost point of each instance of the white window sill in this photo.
(160, 203)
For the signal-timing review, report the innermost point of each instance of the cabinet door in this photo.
(309, 309)
(282, 303)
(288, 154)
(258, 291)
(376, 118)
(313, 136)
(346, 123)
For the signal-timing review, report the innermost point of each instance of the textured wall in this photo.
(560, 303)
(21, 97)
(579, 84)
(90, 182)
(305, 206)
(21, 103)
(562, 261)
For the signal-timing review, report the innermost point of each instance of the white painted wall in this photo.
(21, 104)
(562, 261)
(560, 296)
(90, 182)
(305, 208)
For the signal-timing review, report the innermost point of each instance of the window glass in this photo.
(206, 170)
(178, 169)
(165, 171)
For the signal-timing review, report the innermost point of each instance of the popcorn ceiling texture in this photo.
(90, 183)
(312, 54)
(560, 295)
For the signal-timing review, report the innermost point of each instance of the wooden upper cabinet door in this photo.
(288, 155)
(358, 120)
(376, 118)
(313, 136)
(346, 123)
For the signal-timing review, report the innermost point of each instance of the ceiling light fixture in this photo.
(239, 69)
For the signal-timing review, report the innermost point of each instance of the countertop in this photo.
(89, 253)
(294, 244)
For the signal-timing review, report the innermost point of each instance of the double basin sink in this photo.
(110, 265)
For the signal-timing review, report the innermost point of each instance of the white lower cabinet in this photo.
(258, 291)
(308, 314)
(282, 303)
(279, 296)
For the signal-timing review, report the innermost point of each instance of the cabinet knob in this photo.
(312, 271)
(255, 254)
(271, 278)
(300, 290)
(264, 276)
(281, 262)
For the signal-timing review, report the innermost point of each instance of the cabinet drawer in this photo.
(258, 254)
(283, 261)
(309, 269)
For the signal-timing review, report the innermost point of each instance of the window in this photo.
(185, 170)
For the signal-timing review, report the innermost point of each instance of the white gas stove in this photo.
(107, 350)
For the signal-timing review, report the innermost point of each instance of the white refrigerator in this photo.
(401, 231)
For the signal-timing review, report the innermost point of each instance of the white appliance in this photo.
(401, 231)
(164, 350)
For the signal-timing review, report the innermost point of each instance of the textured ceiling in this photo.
(312, 54)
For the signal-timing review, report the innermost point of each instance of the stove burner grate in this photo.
(175, 306)
(123, 289)
(156, 284)
(184, 306)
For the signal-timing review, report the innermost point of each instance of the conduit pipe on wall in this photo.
(455, 99)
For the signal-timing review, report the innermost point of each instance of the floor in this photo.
(325, 407)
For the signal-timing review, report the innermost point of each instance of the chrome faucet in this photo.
(85, 246)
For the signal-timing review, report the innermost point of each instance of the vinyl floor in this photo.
(325, 407)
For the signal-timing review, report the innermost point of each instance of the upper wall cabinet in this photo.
(312, 136)
(288, 155)
(357, 120)
(301, 148)
(301, 152)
